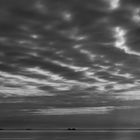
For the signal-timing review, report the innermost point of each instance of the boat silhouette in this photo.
(71, 128)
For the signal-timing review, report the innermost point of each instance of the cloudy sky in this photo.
(69, 57)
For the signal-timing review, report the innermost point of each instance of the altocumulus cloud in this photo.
(70, 52)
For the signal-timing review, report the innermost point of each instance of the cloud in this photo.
(80, 110)
(129, 95)
(114, 4)
(71, 111)
(67, 50)
(22, 91)
(121, 42)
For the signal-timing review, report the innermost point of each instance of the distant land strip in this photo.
(72, 130)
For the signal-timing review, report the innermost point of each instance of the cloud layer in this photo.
(70, 52)
(78, 111)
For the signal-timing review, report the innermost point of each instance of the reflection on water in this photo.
(63, 135)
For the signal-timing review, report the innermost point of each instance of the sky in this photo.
(69, 57)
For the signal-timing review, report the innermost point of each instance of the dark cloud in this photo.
(69, 53)
(130, 2)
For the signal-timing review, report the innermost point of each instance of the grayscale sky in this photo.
(69, 62)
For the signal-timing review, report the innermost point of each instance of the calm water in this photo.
(67, 135)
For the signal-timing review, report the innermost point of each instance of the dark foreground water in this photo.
(69, 135)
